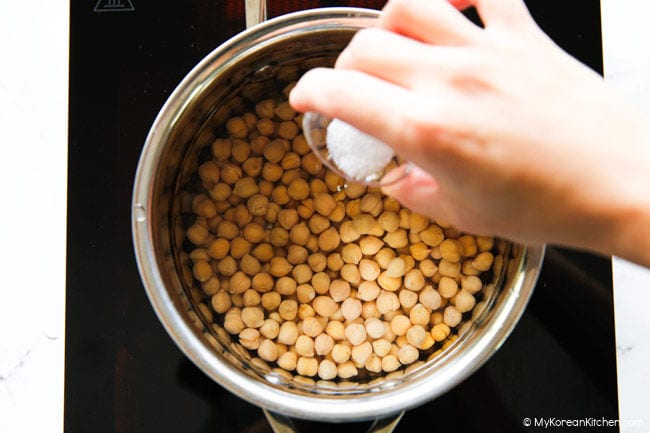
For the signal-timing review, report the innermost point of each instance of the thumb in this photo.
(417, 191)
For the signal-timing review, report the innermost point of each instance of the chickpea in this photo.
(420, 251)
(353, 208)
(253, 233)
(483, 261)
(387, 301)
(304, 346)
(258, 142)
(211, 286)
(428, 268)
(396, 268)
(280, 267)
(440, 332)
(408, 354)
(221, 148)
(368, 290)
(324, 203)
(414, 280)
(347, 232)
(339, 290)
(335, 329)
(447, 287)
(198, 234)
(302, 273)
(373, 364)
(369, 309)
(384, 257)
(351, 253)
(258, 204)
(305, 293)
(329, 239)
(370, 245)
(202, 270)
(311, 163)
(271, 300)
(361, 353)
(347, 370)
(299, 234)
(230, 173)
(209, 172)
(288, 130)
(221, 301)
(389, 283)
(249, 338)
(268, 350)
(239, 283)
(432, 235)
(306, 209)
(374, 327)
(351, 309)
(452, 316)
(297, 255)
(266, 127)
(288, 361)
(464, 301)
(408, 299)
(363, 223)
(323, 344)
(307, 366)
(390, 363)
(397, 239)
(253, 317)
(288, 309)
(265, 108)
(471, 283)
(232, 321)
(249, 265)
(317, 262)
(205, 208)
(430, 298)
(324, 306)
(262, 282)
(381, 347)
(400, 324)
(240, 150)
(372, 204)
(288, 333)
(263, 252)
(451, 250)
(320, 281)
(298, 189)
(350, 273)
(318, 224)
(227, 266)
(327, 370)
(485, 243)
(341, 353)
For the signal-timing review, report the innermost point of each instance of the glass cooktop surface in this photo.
(123, 372)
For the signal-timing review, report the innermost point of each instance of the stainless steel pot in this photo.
(247, 67)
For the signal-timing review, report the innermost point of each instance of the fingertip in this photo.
(460, 4)
(417, 191)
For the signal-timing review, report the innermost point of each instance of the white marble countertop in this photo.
(33, 125)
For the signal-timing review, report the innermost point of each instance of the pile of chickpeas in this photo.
(321, 278)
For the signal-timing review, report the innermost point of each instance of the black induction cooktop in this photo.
(124, 374)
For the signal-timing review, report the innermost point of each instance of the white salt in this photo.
(357, 154)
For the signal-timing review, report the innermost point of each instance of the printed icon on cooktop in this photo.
(114, 6)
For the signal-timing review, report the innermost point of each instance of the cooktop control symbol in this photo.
(114, 6)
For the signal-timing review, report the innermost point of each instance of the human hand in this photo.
(513, 137)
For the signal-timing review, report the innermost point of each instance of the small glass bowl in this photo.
(315, 126)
